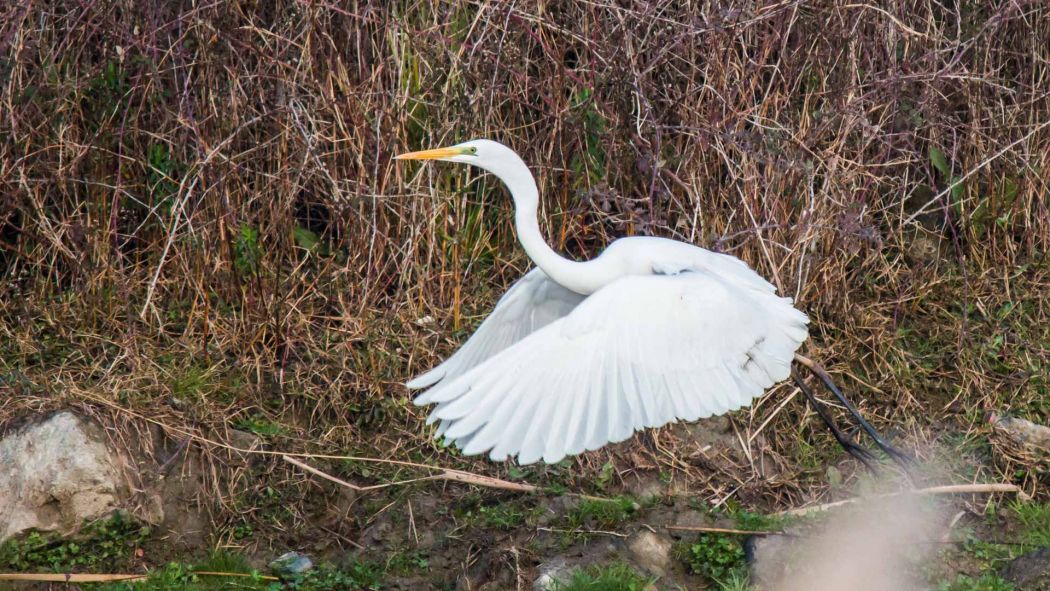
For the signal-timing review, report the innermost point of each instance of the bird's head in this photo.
(486, 154)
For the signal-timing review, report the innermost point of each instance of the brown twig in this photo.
(954, 489)
(598, 532)
(724, 530)
(70, 578)
(445, 474)
(208, 573)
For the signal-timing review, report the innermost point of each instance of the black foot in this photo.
(894, 452)
(902, 458)
(862, 454)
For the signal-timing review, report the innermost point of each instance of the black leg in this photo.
(897, 455)
(863, 455)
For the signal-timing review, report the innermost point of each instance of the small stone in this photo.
(552, 575)
(151, 508)
(245, 440)
(1028, 441)
(1023, 431)
(242, 444)
(651, 551)
(177, 403)
(291, 563)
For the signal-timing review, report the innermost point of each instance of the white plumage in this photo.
(577, 355)
(533, 302)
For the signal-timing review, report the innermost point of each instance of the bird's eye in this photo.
(472, 150)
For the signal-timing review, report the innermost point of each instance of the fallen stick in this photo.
(556, 530)
(258, 452)
(963, 489)
(108, 578)
(476, 479)
(724, 530)
(69, 578)
(951, 489)
(209, 573)
(445, 474)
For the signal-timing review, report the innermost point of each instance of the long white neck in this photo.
(581, 277)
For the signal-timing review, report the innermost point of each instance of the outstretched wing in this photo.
(533, 302)
(641, 352)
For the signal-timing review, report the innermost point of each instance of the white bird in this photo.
(579, 354)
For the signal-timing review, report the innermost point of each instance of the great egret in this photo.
(579, 354)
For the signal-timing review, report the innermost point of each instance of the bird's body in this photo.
(579, 354)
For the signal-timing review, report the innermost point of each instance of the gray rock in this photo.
(245, 440)
(1031, 441)
(1030, 572)
(57, 474)
(243, 444)
(291, 563)
(651, 551)
(552, 574)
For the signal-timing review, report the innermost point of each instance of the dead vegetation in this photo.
(201, 227)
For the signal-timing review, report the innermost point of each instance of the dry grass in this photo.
(201, 223)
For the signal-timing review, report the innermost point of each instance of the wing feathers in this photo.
(556, 442)
(427, 379)
(614, 403)
(530, 304)
(641, 352)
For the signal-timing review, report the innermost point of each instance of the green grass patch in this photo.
(260, 425)
(602, 513)
(175, 576)
(987, 554)
(356, 575)
(100, 546)
(504, 516)
(617, 577)
(985, 582)
(109, 546)
(406, 562)
(1034, 519)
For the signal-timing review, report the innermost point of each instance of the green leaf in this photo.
(940, 162)
(306, 239)
(246, 250)
(957, 189)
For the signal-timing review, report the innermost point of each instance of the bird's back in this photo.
(651, 255)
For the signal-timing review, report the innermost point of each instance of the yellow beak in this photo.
(434, 154)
